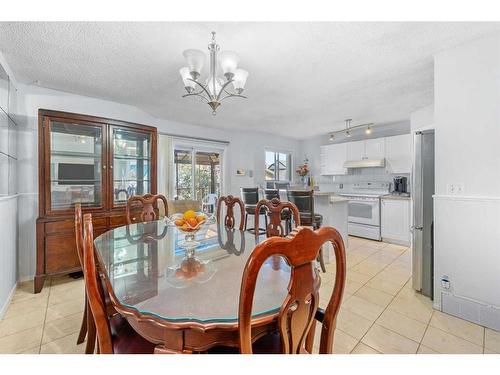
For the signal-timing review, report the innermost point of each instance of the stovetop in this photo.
(366, 189)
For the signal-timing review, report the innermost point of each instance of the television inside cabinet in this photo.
(95, 161)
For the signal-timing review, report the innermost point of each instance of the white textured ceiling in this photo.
(305, 78)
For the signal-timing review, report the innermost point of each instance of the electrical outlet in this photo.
(455, 189)
(445, 282)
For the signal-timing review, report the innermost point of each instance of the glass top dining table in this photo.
(152, 274)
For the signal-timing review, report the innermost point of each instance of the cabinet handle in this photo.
(111, 166)
(103, 167)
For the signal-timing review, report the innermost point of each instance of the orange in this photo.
(192, 222)
(189, 214)
(179, 222)
(200, 218)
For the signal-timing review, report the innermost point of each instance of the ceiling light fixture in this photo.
(348, 131)
(348, 126)
(214, 87)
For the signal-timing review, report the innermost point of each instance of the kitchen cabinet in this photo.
(398, 150)
(375, 148)
(395, 223)
(367, 149)
(356, 150)
(333, 158)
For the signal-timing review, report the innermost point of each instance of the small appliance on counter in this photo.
(400, 185)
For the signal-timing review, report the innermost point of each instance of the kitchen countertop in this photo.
(396, 197)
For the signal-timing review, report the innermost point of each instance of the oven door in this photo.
(364, 211)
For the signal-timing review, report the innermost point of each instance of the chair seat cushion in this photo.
(306, 218)
(126, 340)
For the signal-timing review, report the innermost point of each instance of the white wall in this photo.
(422, 119)
(467, 227)
(8, 250)
(245, 151)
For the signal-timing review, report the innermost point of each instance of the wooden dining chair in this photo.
(229, 219)
(149, 208)
(304, 200)
(300, 310)
(277, 211)
(87, 328)
(114, 335)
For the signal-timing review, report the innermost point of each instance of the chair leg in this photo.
(83, 327)
(321, 260)
(265, 223)
(246, 221)
(91, 333)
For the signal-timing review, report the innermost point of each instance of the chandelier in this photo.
(215, 89)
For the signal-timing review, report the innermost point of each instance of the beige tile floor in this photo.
(380, 312)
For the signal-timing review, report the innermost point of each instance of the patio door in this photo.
(198, 171)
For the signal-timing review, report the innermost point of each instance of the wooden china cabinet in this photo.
(98, 162)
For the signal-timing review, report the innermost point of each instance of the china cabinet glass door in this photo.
(75, 162)
(131, 155)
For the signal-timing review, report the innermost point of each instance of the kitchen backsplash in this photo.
(334, 183)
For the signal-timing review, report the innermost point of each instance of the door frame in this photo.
(194, 146)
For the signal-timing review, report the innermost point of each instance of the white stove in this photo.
(364, 209)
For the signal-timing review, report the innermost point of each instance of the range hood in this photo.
(364, 163)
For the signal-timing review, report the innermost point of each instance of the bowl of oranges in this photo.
(189, 221)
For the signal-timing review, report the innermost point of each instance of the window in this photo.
(278, 166)
(197, 172)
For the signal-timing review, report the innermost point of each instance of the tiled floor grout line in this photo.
(402, 287)
(425, 331)
(45, 317)
(360, 340)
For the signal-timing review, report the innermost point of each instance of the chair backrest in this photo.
(282, 185)
(179, 206)
(95, 292)
(274, 209)
(297, 313)
(303, 199)
(229, 220)
(250, 196)
(79, 232)
(149, 207)
(271, 193)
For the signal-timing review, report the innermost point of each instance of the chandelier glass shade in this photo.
(215, 88)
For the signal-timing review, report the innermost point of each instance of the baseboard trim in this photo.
(396, 242)
(6, 305)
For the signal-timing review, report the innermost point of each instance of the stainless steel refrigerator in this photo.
(423, 213)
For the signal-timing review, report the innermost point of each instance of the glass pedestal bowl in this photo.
(190, 226)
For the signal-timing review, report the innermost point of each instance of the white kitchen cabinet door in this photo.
(395, 226)
(398, 151)
(333, 158)
(322, 156)
(356, 150)
(375, 148)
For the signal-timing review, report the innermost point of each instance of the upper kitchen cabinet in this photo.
(333, 158)
(356, 150)
(375, 148)
(398, 153)
(367, 149)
